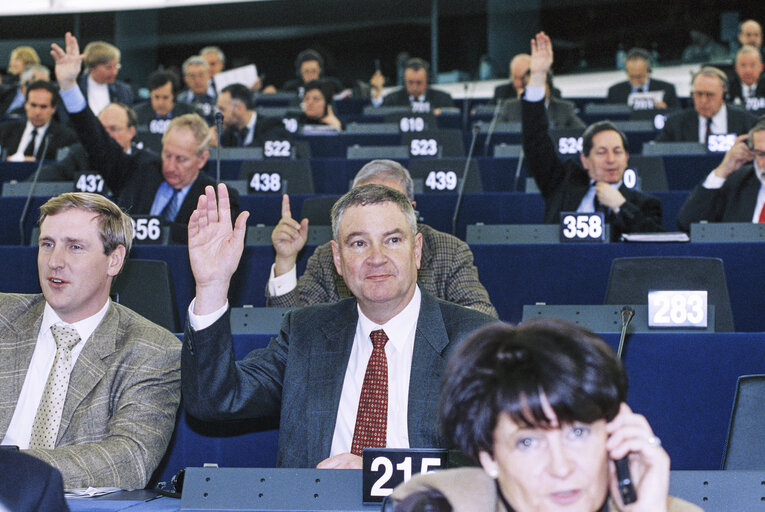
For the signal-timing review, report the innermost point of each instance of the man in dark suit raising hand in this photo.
(358, 373)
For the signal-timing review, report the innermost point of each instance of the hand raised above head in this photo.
(288, 237)
(214, 248)
(541, 59)
(68, 62)
(737, 155)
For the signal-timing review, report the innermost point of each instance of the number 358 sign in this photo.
(384, 468)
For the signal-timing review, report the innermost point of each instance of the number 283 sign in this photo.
(677, 308)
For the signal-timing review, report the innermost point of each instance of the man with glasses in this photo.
(100, 85)
(200, 93)
(735, 190)
(710, 114)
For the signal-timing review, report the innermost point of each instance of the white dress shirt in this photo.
(20, 429)
(26, 138)
(719, 124)
(98, 95)
(399, 349)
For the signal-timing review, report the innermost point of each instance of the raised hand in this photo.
(214, 248)
(737, 155)
(68, 63)
(331, 119)
(288, 237)
(541, 59)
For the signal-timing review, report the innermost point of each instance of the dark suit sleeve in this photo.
(670, 97)
(217, 387)
(540, 152)
(701, 204)
(106, 155)
(613, 95)
(640, 214)
(671, 130)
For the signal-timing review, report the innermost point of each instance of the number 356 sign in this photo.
(385, 468)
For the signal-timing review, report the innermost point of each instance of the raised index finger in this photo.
(286, 211)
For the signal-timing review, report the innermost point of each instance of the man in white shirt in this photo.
(100, 85)
(24, 140)
(747, 88)
(313, 374)
(86, 385)
(735, 190)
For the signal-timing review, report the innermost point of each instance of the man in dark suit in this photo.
(416, 93)
(596, 183)
(155, 115)
(168, 189)
(200, 92)
(638, 67)
(100, 85)
(86, 385)
(519, 68)
(446, 267)
(242, 126)
(709, 115)
(119, 121)
(318, 370)
(560, 113)
(747, 86)
(24, 140)
(734, 190)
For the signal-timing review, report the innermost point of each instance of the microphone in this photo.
(623, 476)
(461, 190)
(46, 141)
(218, 129)
(627, 314)
(518, 170)
(492, 125)
(465, 105)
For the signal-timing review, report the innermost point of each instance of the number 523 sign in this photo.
(385, 468)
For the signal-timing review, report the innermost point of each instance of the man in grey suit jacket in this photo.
(123, 379)
(311, 374)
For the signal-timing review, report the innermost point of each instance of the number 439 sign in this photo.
(384, 468)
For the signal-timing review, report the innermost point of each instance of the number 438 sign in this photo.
(384, 468)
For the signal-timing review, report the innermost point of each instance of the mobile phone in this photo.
(624, 480)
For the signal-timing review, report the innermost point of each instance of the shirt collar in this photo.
(400, 326)
(84, 327)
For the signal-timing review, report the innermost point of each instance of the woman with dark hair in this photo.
(317, 105)
(541, 407)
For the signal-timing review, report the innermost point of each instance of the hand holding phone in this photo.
(647, 464)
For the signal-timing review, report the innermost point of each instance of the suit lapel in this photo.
(430, 341)
(327, 372)
(16, 349)
(90, 367)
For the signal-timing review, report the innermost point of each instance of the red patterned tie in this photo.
(372, 416)
(762, 214)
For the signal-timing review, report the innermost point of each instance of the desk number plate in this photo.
(384, 468)
(677, 308)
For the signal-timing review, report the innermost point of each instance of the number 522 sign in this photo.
(384, 468)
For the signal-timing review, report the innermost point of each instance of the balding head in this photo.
(519, 66)
(748, 65)
(750, 33)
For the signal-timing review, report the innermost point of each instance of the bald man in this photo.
(519, 66)
(750, 33)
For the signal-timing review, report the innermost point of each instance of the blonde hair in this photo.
(100, 52)
(114, 226)
(198, 127)
(27, 54)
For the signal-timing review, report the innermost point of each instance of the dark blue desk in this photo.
(514, 275)
(683, 383)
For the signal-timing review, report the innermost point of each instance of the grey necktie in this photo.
(48, 418)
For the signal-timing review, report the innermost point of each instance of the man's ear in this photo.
(336, 258)
(116, 261)
(418, 249)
